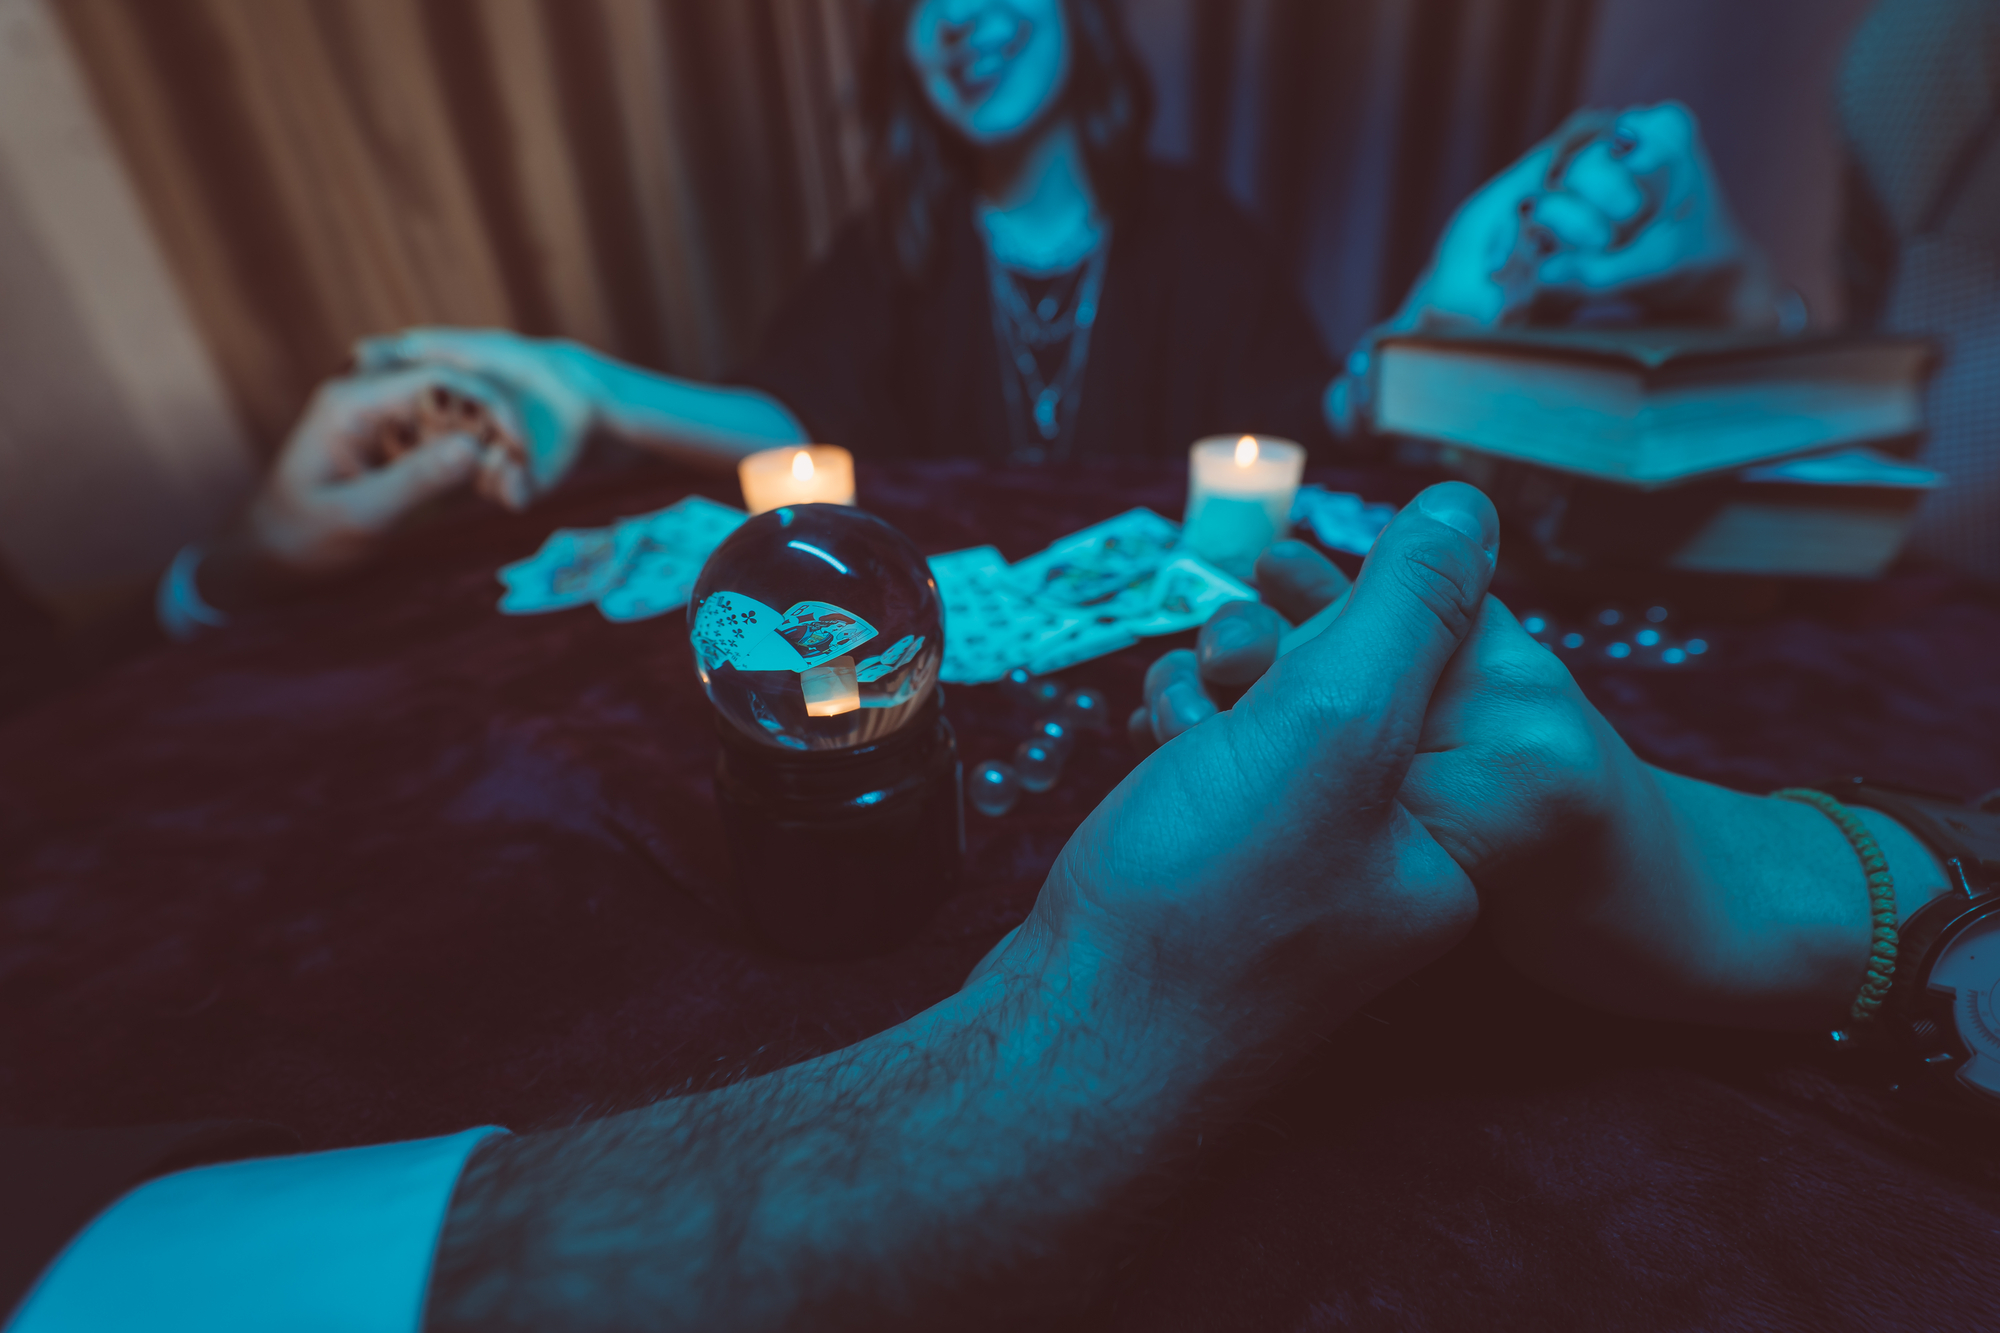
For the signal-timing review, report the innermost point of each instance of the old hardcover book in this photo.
(1647, 407)
(1838, 515)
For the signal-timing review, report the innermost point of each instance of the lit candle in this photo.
(1240, 492)
(798, 474)
(830, 688)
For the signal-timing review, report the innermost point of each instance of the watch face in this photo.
(1968, 970)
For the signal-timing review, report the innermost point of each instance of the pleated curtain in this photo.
(650, 176)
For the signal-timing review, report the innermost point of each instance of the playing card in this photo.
(872, 669)
(981, 615)
(1341, 520)
(693, 527)
(656, 583)
(438, 411)
(672, 545)
(820, 631)
(1125, 570)
(574, 566)
(1098, 563)
(1078, 638)
(742, 632)
(1185, 593)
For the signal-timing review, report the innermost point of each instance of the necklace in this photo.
(1044, 343)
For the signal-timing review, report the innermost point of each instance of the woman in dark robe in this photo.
(1028, 286)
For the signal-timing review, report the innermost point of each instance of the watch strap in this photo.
(1950, 828)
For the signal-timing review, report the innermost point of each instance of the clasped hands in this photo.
(1311, 826)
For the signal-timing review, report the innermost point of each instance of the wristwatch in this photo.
(1941, 1018)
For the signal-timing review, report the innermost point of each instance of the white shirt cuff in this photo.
(336, 1241)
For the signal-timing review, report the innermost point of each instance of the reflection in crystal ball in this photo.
(816, 627)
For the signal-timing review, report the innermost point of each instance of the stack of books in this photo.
(1695, 450)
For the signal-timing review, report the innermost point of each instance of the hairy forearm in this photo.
(1698, 903)
(694, 422)
(974, 1167)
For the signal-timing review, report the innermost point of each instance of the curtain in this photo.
(650, 176)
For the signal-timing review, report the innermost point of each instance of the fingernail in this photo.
(1440, 504)
(1183, 705)
(1230, 635)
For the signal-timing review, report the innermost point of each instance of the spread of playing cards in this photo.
(635, 569)
(1091, 593)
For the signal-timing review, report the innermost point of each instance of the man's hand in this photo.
(1621, 214)
(1600, 876)
(1511, 757)
(552, 397)
(1244, 888)
(1268, 850)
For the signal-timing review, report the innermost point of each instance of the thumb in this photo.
(1372, 671)
(377, 499)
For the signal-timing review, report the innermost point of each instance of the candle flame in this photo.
(802, 466)
(1246, 451)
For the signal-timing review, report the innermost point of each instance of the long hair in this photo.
(916, 161)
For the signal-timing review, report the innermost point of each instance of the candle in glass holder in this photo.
(1240, 492)
(797, 474)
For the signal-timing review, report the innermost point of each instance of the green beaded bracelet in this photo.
(1881, 896)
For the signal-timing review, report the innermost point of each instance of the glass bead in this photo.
(1572, 640)
(1087, 710)
(1535, 623)
(995, 788)
(1618, 649)
(1657, 614)
(1036, 692)
(1038, 763)
(1695, 647)
(1673, 656)
(1609, 616)
(1646, 638)
(1057, 733)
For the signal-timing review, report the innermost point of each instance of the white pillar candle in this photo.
(798, 474)
(1240, 492)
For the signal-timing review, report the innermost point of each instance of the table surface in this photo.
(390, 863)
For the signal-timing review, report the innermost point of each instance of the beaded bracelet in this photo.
(1881, 895)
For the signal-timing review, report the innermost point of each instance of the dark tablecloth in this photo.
(390, 863)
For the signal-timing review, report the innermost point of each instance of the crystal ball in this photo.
(816, 627)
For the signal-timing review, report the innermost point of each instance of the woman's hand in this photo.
(551, 394)
(329, 499)
(1621, 215)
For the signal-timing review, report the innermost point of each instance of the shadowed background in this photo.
(650, 175)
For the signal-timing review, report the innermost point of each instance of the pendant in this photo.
(1045, 412)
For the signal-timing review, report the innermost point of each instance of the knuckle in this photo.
(1168, 668)
(1443, 581)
